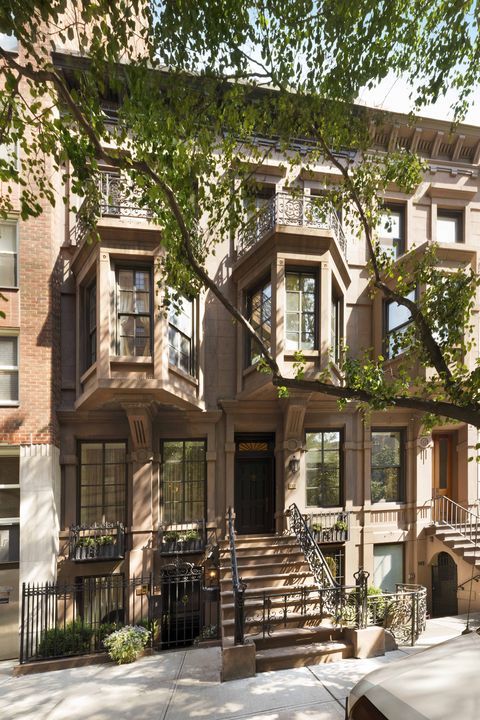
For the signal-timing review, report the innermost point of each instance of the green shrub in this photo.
(125, 645)
(73, 639)
(171, 536)
(190, 535)
(317, 527)
(341, 526)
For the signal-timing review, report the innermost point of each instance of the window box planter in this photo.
(175, 542)
(97, 542)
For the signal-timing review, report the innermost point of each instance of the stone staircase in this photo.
(458, 528)
(458, 541)
(282, 604)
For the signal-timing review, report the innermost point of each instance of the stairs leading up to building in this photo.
(457, 540)
(283, 609)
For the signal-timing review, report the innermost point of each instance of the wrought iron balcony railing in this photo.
(105, 541)
(183, 538)
(118, 199)
(295, 211)
(329, 526)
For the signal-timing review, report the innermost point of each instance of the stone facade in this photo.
(191, 398)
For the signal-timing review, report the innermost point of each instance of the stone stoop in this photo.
(298, 634)
(458, 543)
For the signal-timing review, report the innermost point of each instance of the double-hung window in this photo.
(103, 482)
(134, 310)
(259, 312)
(449, 226)
(301, 288)
(323, 466)
(397, 322)
(183, 480)
(8, 254)
(387, 470)
(181, 336)
(9, 509)
(8, 370)
(391, 230)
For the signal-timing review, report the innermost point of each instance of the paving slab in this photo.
(245, 698)
(185, 684)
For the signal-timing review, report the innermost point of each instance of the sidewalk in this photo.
(185, 684)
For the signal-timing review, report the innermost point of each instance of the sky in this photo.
(393, 94)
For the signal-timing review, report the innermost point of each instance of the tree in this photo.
(193, 86)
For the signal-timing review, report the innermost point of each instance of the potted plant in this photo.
(317, 531)
(170, 540)
(90, 547)
(341, 528)
(192, 540)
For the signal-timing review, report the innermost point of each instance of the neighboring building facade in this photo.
(119, 418)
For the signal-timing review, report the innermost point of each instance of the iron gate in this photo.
(65, 620)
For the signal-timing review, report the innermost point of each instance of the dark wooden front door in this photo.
(444, 586)
(254, 492)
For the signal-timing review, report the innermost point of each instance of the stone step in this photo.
(261, 568)
(290, 581)
(248, 556)
(282, 658)
(258, 541)
(295, 636)
(296, 621)
(291, 603)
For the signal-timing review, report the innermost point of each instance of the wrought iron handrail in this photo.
(465, 522)
(314, 556)
(238, 586)
(295, 211)
(403, 612)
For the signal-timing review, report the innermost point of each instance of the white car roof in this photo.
(439, 683)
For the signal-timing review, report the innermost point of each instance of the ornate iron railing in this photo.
(313, 555)
(404, 612)
(295, 211)
(100, 541)
(329, 526)
(238, 586)
(449, 513)
(183, 538)
(68, 620)
(119, 198)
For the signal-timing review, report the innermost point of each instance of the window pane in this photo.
(448, 229)
(9, 385)
(397, 315)
(8, 238)
(125, 280)
(8, 351)
(8, 270)
(9, 471)
(9, 543)
(389, 225)
(10, 503)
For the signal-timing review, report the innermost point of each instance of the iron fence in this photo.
(67, 620)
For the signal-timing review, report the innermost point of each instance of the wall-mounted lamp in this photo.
(294, 465)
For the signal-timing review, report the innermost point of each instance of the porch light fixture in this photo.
(294, 465)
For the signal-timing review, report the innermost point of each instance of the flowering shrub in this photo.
(125, 645)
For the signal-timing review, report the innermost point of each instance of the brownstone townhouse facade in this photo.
(139, 429)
